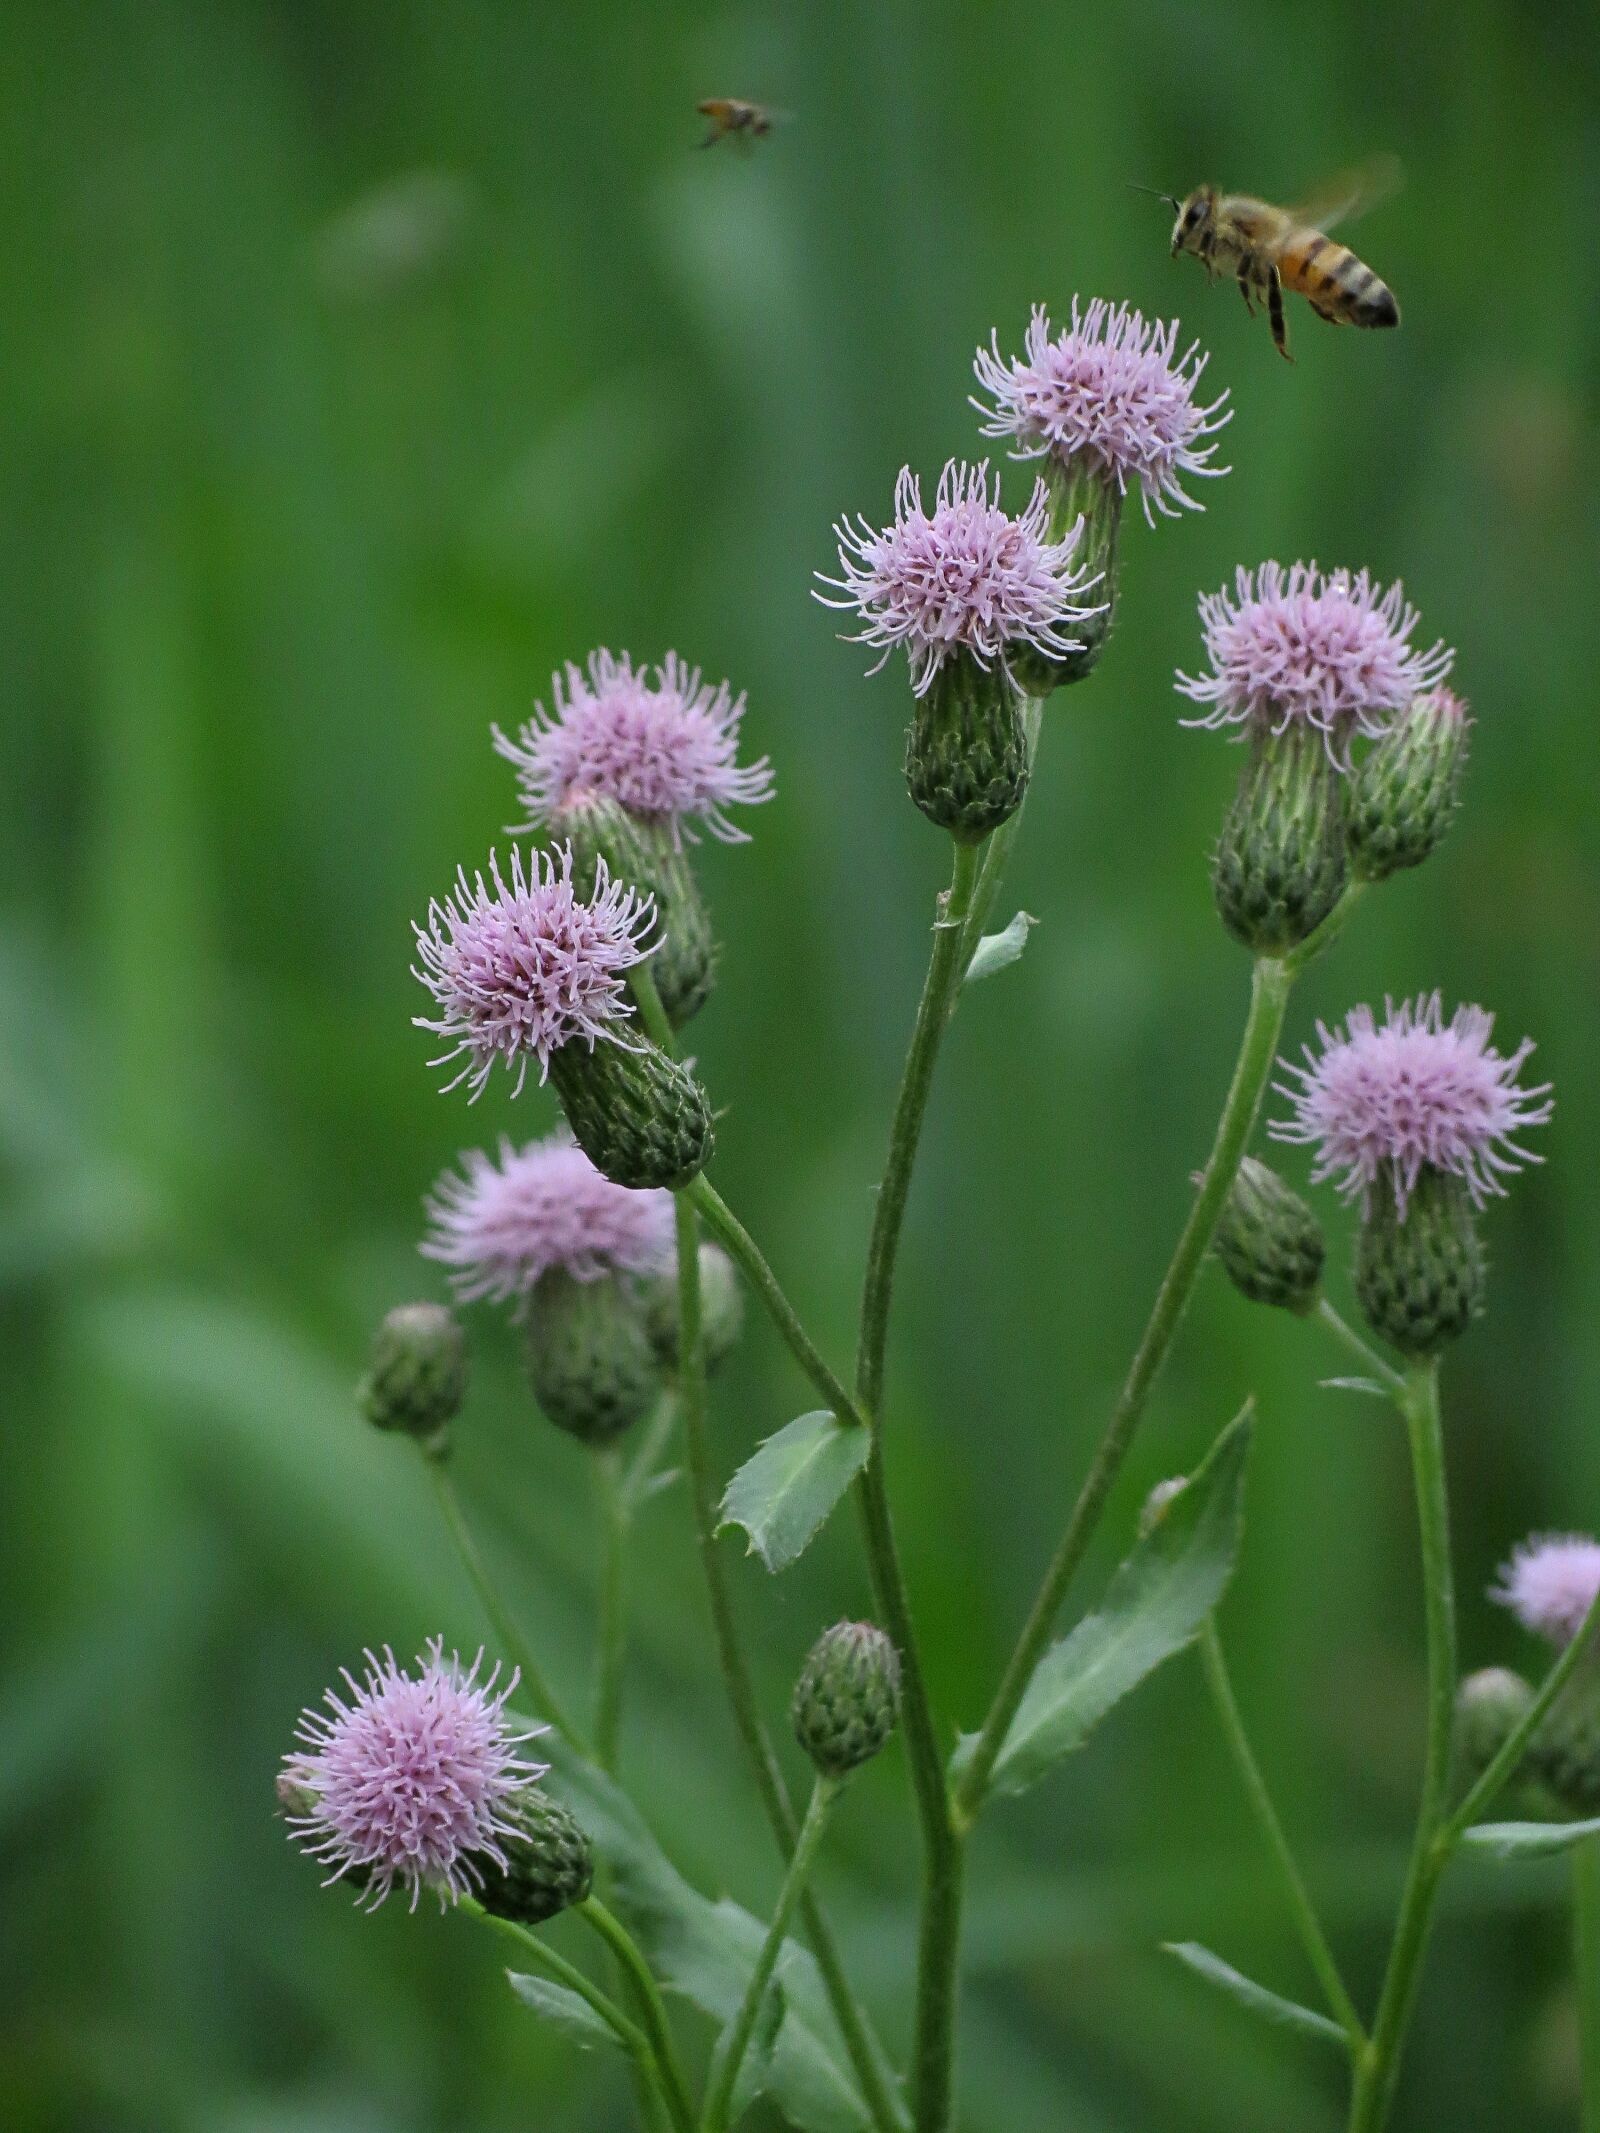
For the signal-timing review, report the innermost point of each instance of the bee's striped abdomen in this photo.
(1336, 283)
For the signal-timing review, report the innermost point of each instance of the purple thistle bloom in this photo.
(1109, 392)
(1417, 1091)
(501, 1223)
(665, 748)
(963, 577)
(1332, 651)
(520, 968)
(411, 1780)
(1550, 1584)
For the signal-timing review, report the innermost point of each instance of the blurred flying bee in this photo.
(1269, 249)
(733, 118)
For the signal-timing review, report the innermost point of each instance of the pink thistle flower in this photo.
(1550, 1584)
(1416, 1092)
(412, 1780)
(502, 1223)
(665, 748)
(1109, 392)
(1331, 651)
(520, 968)
(963, 577)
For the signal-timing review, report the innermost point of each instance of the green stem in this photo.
(1365, 1354)
(512, 1642)
(933, 2051)
(1503, 1766)
(734, 1666)
(647, 1997)
(1269, 998)
(613, 1622)
(1323, 936)
(1379, 2065)
(1301, 1908)
(823, 1794)
(1586, 1963)
(628, 2034)
(653, 1441)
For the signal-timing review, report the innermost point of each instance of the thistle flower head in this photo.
(1388, 1100)
(964, 577)
(503, 1220)
(520, 967)
(663, 745)
(1298, 646)
(1550, 1583)
(1109, 392)
(413, 1780)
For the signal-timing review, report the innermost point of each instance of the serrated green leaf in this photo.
(555, 2004)
(1157, 1603)
(997, 951)
(1256, 1999)
(1528, 1840)
(784, 1491)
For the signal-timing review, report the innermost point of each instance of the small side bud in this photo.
(644, 856)
(1565, 1752)
(1489, 1705)
(847, 1700)
(721, 1309)
(1279, 867)
(966, 752)
(418, 1377)
(1404, 796)
(640, 1117)
(588, 1356)
(1269, 1242)
(1420, 1274)
(549, 1864)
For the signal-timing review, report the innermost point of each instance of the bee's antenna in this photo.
(1155, 192)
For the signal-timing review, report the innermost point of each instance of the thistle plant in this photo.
(626, 1276)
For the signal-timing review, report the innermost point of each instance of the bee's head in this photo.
(1194, 214)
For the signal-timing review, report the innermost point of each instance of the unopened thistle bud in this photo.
(641, 1118)
(647, 855)
(418, 1377)
(1420, 1273)
(1279, 866)
(1489, 1706)
(847, 1700)
(721, 1309)
(966, 752)
(1268, 1240)
(588, 1356)
(549, 1866)
(1403, 797)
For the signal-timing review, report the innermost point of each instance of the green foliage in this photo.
(1254, 1998)
(785, 1490)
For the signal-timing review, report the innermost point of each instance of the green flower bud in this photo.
(966, 751)
(418, 1377)
(642, 854)
(549, 1864)
(1404, 795)
(1565, 1751)
(1420, 1276)
(1268, 1240)
(847, 1700)
(640, 1117)
(1279, 867)
(721, 1309)
(1489, 1706)
(588, 1356)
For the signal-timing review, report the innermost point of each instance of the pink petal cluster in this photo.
(964, 577)
(1330, 650)
(1110, 392)
(502, 1221)
(1387, 1100)
(521, 967)
(664, 746)
(411, 1780)
(1550, 1584)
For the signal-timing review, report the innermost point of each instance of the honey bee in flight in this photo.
(734, 118)
(1269, 249)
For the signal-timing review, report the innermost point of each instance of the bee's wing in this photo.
(1349, 194)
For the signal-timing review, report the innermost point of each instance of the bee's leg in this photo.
(1244, 287)
(1280, 332)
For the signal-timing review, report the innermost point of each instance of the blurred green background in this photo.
(361, 363)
